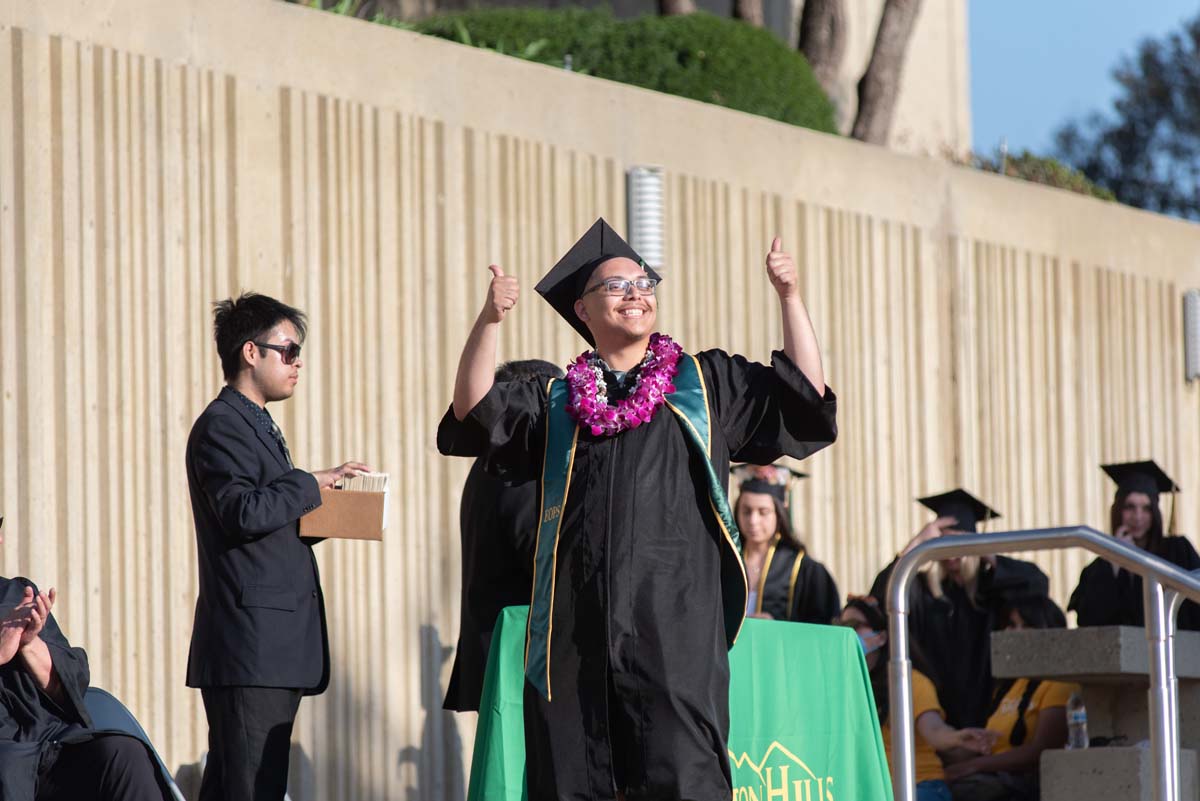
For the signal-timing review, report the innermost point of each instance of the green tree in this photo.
(698, 56)
(1040, 170)
(1146, 150)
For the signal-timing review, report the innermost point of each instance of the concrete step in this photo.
(1127, 774)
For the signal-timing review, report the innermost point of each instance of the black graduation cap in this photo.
(565, 282)
(1145, 477)
(961, 505)
(773, 479)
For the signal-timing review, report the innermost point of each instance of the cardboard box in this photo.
(348, 515)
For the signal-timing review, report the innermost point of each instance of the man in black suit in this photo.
(259, 641)
(498, 523)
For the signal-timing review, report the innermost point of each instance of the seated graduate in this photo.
(498, 519)
(1109, 595)
(862, 613)
(48, 748)
(1028, 716)
(953, 605)
(785, 582)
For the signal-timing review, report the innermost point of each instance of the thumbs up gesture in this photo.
(502, 294)
(782, 271)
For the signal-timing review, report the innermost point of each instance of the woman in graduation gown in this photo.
(646, 582)
(1108, 595)
(954, 606)
(785, 582)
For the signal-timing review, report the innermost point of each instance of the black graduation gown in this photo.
(31, 723)
(1105, 599)
(639, 666)
(954, 634)
(34, 727)
(794, 586)
(498, 523)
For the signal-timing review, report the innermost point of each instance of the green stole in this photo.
(689, 403)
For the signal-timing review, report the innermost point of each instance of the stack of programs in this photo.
(366, 482)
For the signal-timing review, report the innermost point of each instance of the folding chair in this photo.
(109, 713)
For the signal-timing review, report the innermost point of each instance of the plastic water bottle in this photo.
(1077, 736)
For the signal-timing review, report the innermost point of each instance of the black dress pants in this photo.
(109, 768)
(249, 740)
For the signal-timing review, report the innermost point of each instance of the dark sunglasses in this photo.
(289, 352)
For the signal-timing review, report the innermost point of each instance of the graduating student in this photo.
(639, 588)
(954, 603)
(785, 582)
(1109, 595)
(497, 523)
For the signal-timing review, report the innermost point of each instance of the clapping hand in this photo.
(39, 613)
(13, 626)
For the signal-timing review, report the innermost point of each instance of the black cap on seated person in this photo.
(962, 506)
(1145, 477)
(567, 280)
(774, 479)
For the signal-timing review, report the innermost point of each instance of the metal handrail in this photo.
(1165, 586)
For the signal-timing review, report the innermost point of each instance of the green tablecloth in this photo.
(802, 722)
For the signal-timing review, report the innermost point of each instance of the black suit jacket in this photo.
(260, 615)
(498, 519)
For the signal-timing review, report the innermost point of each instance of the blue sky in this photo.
(1037, 63)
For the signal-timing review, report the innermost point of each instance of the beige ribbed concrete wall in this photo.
(156, 156)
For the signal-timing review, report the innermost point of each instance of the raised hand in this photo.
(12, 627)
(502, 294)
(931, 531)
(1124, 536)
(11, 630)
(39, 613)
(782, 271)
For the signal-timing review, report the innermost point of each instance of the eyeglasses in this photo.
(620, 286)
(289, 352)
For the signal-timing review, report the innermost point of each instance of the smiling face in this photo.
(617, 320)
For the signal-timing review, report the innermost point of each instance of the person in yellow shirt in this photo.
(862, 613)
(1028, 716)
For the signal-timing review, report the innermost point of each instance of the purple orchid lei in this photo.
(588, 400)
